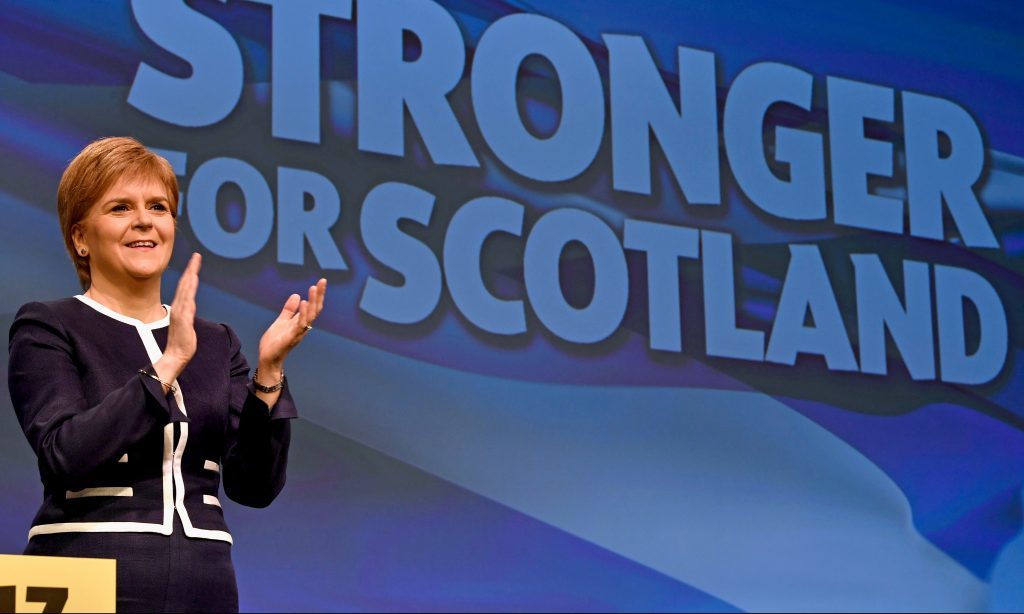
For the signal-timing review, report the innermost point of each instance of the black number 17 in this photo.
(53, 598)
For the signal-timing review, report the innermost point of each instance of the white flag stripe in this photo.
(731, 492)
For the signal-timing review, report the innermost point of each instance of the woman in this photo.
(136, 410)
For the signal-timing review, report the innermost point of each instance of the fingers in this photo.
(321, 287)
(303, 312)
(312, 306)
(291, 307)
(191, 272)
(194, 263)
(316, 299)
(295, 320)
(181, 336)
(188, 284)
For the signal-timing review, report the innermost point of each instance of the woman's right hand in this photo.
(181, 334)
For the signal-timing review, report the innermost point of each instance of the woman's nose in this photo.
(143, 218)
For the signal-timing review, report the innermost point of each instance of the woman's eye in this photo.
(160, 207)
(119, 207)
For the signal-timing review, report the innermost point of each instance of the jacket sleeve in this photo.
(256, 455)
(71, 438)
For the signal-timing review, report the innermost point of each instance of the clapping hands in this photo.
(284, 333)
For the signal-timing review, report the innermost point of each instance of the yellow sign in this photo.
(57, 584)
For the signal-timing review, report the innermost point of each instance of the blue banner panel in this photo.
(661, 306)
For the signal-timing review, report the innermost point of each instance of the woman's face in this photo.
(129, 232)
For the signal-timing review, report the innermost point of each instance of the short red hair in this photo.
(94, 171)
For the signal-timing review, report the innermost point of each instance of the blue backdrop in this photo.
(507, 404)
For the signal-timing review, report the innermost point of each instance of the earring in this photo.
(83, 251)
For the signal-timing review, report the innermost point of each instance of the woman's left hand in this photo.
(294, 321)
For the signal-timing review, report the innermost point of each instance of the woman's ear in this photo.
(78, 239)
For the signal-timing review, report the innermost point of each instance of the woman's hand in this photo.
(294, 321)
(181, 334)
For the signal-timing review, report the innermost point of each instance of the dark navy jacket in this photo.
(116, 454)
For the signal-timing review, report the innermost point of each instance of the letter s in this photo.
(413, 301)
(211, 92)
